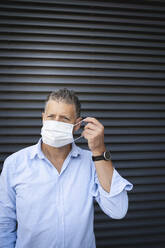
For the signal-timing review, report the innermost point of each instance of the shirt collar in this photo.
(75, 151)
(37, 150)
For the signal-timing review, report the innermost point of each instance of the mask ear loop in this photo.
(75, 125)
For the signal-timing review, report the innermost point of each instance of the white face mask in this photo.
(57, 134)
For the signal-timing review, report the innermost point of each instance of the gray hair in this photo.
(67, 96)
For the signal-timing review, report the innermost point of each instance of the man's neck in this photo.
(56, 155)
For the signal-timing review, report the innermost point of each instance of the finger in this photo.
(86, 135)
(95, 126)
(90, 126)
(92, 120)
(88, 132)
(95, 129)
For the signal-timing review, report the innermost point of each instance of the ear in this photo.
(43, 117)
(78, 125)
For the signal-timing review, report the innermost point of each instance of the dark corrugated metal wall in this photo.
(112, 53)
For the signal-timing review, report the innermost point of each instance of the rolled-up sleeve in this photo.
(7, 210)
(114, 203)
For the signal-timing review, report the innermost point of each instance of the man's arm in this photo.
(111, 192)
(94, 133)
(104, 171)
(7, 209)
(115, 202)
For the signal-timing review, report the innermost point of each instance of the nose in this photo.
(57, 118)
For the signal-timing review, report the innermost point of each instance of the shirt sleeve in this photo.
(114, 203)
(7, 209)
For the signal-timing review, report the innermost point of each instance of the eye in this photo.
(50, 116)
(66, 119)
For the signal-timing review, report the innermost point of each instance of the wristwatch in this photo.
(104, 156)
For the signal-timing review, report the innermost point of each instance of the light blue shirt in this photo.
(54, 210)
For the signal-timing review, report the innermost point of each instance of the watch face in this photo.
(107, 155)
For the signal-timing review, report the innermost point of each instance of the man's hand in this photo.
(94, 133)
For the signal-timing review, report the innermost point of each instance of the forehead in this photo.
(60, 108)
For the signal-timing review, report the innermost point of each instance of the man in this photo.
(47, 190)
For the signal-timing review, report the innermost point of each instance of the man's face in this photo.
(60, 111)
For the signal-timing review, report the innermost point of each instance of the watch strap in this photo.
(104, 156)
(98, 158)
